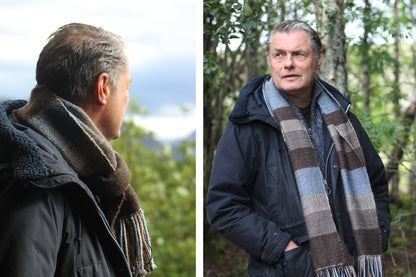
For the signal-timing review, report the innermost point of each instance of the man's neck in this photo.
(301, 101)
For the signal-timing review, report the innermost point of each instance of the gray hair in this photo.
(296, 25)
(75, 56)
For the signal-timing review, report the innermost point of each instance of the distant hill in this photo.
(155, 144)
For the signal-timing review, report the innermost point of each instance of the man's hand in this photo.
(291, 245)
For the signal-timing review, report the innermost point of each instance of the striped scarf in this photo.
(104, 171)
(329, 254)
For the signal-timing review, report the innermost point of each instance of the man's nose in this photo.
(288, 62)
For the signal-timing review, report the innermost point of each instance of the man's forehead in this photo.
(292, 40)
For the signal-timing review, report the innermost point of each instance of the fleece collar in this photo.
(26, 158)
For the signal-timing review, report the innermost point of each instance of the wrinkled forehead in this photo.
(295, 39)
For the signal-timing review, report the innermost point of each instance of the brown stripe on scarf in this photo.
(352, 163)
(324, 254)
(316, 220)
(368, 240)
(305, 160)
(285, 113)
(335, 118)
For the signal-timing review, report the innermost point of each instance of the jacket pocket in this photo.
(297, 262)
(98, 269)
(283, 202)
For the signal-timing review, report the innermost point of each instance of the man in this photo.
(66, 205)
(296, 181)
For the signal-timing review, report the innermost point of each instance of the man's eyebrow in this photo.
(286, 50)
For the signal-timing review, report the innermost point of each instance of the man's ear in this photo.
(102, 89)
(321, 56)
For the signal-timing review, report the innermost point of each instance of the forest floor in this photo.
(398, 260)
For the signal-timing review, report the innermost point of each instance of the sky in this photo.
(160, 41)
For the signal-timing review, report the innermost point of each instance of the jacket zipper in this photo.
(79, 236)
(328, 188)
(327, 160)
(113, 238)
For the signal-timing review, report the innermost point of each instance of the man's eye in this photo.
(299, 56)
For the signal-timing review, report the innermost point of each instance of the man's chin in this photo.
(288, 88)
(116, 136)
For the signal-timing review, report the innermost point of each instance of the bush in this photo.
(164, 180)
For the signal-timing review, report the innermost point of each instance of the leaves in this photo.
(164, 179)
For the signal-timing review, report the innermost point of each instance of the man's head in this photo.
(294, 55)
(87, 66)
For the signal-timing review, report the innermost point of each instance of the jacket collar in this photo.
(32, 156)
(250, 104)
(25, 156)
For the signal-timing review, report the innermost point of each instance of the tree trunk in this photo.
(412, 175)
(364, 59)
(282, 7)
(333, 68)
(397, 153)
(318, 15)
(210, 112)
(396, 70)
(400, 144)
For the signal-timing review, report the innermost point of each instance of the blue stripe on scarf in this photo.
(327, 105)
(310, 181)
(277, 101)
(358, 181)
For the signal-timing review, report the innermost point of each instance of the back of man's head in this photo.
(75, 55)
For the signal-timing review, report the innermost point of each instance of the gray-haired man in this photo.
(296, 181)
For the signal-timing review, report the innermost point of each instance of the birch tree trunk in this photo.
(333, 68)
(364, 59)
(397, 153)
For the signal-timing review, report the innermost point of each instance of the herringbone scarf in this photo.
(104, 171)
(329, 254)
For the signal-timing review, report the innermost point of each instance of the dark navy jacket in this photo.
(50, 222)
(253, 200)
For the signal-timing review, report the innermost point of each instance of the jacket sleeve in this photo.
(30, 232)
(229, 209)
(377, 174)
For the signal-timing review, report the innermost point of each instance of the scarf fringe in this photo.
(370, 265)
(367, 266)
(337, 271)
(140, 261)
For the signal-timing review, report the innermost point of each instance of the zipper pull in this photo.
(328, 189)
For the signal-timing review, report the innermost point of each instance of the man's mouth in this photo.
(290, 76)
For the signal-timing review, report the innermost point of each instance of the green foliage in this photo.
(381, 130)
(165, 186)
(402, 238)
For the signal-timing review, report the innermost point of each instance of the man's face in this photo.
(116, 107)
(292, 63)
